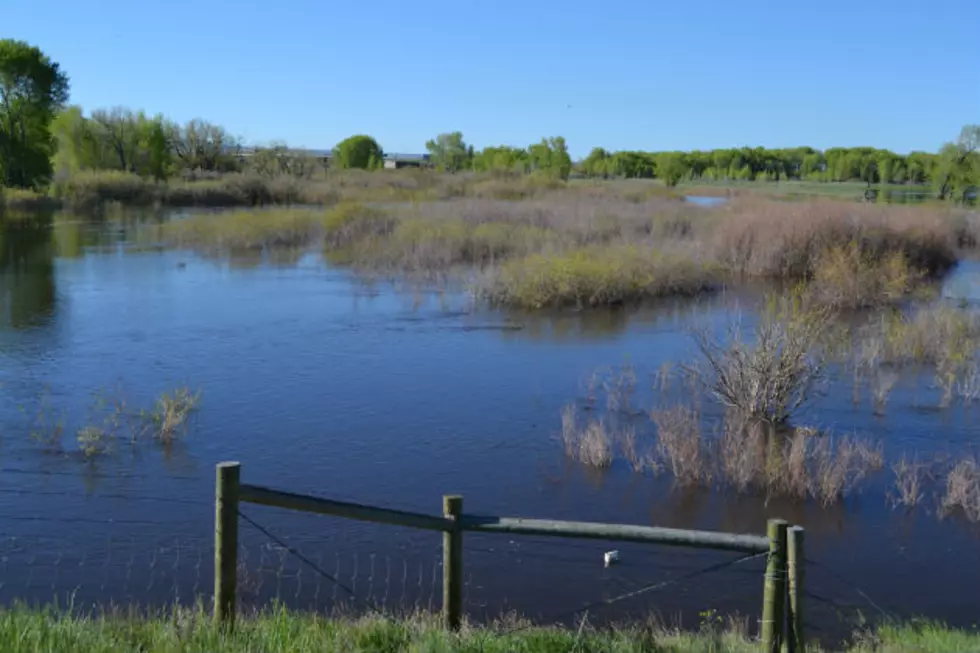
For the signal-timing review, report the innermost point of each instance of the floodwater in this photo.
(319, 383)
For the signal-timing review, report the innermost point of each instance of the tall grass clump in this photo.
(591, 444)
(597, 276)
(963, 489)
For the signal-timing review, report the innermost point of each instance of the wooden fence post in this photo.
(226, 541)
(452, 563)
(795, 562)
(774, 594)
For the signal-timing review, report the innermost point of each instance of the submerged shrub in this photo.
(768, 379)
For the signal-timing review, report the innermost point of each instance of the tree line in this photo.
(41, 135)
(954, 169)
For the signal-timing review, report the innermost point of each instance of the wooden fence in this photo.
(782, 610)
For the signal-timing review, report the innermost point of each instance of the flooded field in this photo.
(320, 382)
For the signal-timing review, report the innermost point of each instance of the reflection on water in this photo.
(320, 384)
(27, 274)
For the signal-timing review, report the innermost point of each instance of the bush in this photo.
(848, 277)
(597, 276)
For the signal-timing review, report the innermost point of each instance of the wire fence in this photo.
(152, 549)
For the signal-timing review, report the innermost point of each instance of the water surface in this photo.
(317, 382)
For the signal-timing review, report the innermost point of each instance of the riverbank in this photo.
(279, 631)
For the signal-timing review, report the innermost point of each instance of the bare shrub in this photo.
(785, 239)
(963, 489)
(772, 377)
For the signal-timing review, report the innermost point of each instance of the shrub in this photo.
(597, 276)
(770, 378)
(845, 276)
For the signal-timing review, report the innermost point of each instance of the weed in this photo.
(170, 412)
(963, 489)
(909, 480)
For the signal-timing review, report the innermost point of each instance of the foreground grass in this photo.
(279, 631)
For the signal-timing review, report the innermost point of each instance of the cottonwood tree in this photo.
(201, 145)
(32, 90)
(449, 152)
(359, 151)
(957, 169)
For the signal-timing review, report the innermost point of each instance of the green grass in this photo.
(24, 630)
(597, 276)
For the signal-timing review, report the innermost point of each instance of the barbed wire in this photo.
(103, 495)
(99, 475)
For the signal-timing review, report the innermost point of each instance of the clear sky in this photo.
(622, 74)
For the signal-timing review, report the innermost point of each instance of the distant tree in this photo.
(597, 164)
(957, 168)
(448, 151)
(671, 167)
(551, 157)
(359, 151)
(32, 91)
(501, 158)
(201, 145)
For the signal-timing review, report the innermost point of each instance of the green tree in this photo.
(671, 167)
(448, 151)
(32, 90)
(957, 168)
(359, 151)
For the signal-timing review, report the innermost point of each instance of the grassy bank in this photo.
(280, 631)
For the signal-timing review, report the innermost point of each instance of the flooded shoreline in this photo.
(321, 384)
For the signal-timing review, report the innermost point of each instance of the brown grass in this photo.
(680, 445)
(761, 238)
(963, 490)
(910, 476)
(591, 444)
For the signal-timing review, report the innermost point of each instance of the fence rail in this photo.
(782, 586)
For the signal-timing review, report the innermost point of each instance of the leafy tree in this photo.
(957, 168)
(448, 151)
(671, 167)
(501, 158)
(551, 156)
(359, 151)
(32, 90)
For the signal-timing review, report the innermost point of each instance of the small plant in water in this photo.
(963, 489)
(909, 479)
(94, 441)
(170, 413)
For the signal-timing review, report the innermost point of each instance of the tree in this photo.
(671, 167)
(32, 90)
(551, 156)
(359, 151)
(957, 168)
(201, 145)
(448, 151)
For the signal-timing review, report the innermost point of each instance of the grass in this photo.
(583, 245)
(277, 630)
(112, 422)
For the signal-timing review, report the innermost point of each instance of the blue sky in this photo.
(622, 74)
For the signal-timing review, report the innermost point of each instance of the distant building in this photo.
(392, 161)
